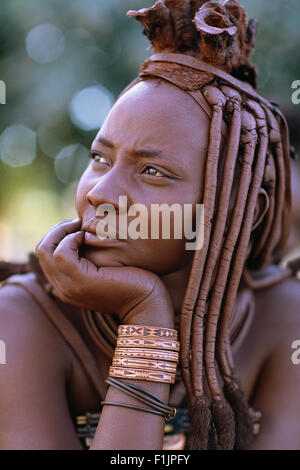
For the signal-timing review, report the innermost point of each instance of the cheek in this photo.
(81, 201)
(162, 256)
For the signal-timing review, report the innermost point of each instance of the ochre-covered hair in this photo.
(204, 48)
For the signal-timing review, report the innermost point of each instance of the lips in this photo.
(90, 227)
(92, 240)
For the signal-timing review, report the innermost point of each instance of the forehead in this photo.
(159, 115)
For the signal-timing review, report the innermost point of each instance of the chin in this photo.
(100, 257)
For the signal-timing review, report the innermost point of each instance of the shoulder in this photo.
(277, 390)
(17, 305)
(280, 304)
(25, 328)
(13, 295)
(33, 377)
(276, 322)
(33, 340)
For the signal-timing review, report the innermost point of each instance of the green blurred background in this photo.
(64, 63)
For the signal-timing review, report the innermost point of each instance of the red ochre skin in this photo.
(143, 282)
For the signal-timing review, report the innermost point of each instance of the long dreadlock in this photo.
(255, 162)
(204, 48)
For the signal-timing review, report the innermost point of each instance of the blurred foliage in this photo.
(51, 50)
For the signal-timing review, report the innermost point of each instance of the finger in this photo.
(53, 228)
(53, 237)
(67, 257)
(47, 246)
(70, 244)
(58, 224)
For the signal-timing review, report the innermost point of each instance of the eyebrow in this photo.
(138, 153)
(105, 142)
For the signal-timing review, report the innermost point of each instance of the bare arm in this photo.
(137, 296)
(34, 411)
(33, 404)
(126, 428)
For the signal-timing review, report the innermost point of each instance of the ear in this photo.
(262, 206)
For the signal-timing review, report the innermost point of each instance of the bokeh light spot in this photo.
(45, 43)
(71, 162)
(90, 106)
(17, 145)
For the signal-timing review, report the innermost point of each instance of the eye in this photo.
(98, 158)
(150, 170)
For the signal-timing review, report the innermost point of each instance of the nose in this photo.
(107, 190)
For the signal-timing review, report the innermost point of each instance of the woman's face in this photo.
(151, 149)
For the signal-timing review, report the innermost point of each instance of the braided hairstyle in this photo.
(254, 162)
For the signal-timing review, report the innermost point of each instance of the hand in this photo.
(133, 294)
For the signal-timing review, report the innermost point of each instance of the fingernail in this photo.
(76, 220)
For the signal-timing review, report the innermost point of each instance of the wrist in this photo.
(155, 310)
(151, 317)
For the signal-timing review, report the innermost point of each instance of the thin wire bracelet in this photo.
(169, 411)
(137, 388)
(115, 403)
(135, 395)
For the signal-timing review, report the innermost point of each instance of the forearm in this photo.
(127, 428)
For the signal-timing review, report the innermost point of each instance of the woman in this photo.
(190, 129)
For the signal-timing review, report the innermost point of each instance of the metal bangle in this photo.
(157, 354)
(144, 342)
(147, 331)
(142, 374)
(144, 363)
